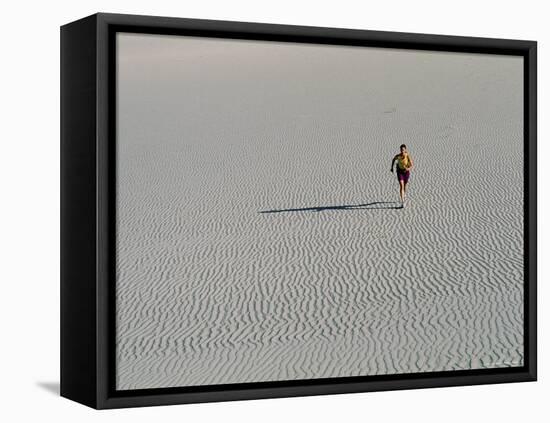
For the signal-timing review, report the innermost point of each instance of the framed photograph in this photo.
(257, 210)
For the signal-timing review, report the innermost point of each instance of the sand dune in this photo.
(258, 234)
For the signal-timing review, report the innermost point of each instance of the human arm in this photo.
(392, 162)
(410, 163)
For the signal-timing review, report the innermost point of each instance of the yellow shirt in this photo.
(403, 161)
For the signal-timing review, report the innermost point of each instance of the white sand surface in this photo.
(257, 234)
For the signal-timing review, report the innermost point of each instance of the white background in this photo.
(30, 210)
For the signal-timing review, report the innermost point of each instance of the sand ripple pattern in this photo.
(258, 238)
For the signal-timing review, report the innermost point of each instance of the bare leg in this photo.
(402, 190)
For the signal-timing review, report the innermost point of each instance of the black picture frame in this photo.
(88, 224)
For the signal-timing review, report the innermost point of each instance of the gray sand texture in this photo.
(258, 237)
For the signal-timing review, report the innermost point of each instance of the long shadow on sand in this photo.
(367, 206)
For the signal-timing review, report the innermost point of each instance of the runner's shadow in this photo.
(367, 206)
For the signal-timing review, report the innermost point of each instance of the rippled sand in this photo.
(258, 234)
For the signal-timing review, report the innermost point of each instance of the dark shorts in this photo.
(403, 175)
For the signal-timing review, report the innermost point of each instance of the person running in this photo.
(404, 166)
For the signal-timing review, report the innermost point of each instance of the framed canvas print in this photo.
(257, 210)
